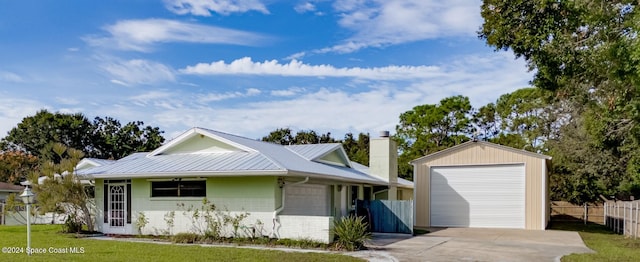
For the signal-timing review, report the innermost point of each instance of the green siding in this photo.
(335, 157)
(200, 144)
(257, 194)
(99, 200)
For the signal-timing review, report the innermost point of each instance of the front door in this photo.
(117, 205)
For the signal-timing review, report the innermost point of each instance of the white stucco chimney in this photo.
(383, 161)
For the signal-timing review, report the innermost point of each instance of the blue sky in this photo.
(246, 66)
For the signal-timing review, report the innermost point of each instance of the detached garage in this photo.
(481, 184)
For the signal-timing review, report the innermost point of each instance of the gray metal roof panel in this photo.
(313, 151)
(267, 157)
(234, 161)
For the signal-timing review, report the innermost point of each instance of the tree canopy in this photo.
(284, 136)
(357, 149)
(101, 138)
(15, 165)
(587, 54)
(432, 127)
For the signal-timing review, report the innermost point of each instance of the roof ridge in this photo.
(229, 134)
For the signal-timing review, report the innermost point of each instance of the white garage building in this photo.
(481, 184)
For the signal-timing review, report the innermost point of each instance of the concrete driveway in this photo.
(475, 244)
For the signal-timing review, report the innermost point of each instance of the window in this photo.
(354, 195)
(179, 188)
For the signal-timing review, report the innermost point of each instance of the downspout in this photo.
(278, 210)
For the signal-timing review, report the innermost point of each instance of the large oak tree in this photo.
(100, 138)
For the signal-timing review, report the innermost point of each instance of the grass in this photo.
(45, 237)
(608, 245)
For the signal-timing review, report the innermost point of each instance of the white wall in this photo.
(317, 228)
(314, 227)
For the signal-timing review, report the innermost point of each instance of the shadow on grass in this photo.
(579, 226)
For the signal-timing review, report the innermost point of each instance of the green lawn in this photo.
(45, 237)
(609, 246)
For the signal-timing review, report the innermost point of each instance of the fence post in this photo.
(617, 218)
(637, 222)
(624, 223)
(585, 213)
(605, 215)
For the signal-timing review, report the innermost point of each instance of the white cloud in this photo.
(305, 7)
(142, 35)
(296, 56)
(161, 98)
(212, 97)
(245, 66)
(287, 92)
(13, 110)
(6, 76)
(144, 98)
(137, 71)
(205, 7)
(326, 106)
(381, 22)
(118, 82)
(67, 101)
(367, 107)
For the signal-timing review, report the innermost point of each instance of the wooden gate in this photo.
(387, 216)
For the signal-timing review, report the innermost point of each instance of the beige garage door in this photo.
(491, 196)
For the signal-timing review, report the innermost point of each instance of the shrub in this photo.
(351, 232)
(72, 224)
(185, 238)
(141, 222)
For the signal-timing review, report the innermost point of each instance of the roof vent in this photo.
(384, 133)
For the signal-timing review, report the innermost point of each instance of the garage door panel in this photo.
(478, 196)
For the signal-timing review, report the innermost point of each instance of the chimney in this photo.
(383, 161)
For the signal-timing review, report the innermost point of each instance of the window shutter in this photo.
(129, 203)
(105, 202)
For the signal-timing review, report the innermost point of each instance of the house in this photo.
(6, 189)
(288, 191)
(481, 184)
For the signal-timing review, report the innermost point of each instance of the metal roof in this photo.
(99, 161)
(313, 151)
(6, 187)
(255, 158)
(476, 143)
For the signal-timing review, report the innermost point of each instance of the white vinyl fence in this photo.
(13, 218)
(623, 217)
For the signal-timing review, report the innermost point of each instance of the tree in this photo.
(429, 128)
(529, 114)
(283, 136)
(486, 122)
(114, 141)
(34, 133)
(357, 149)
(15, 165)
(62, 191)
(280, 136)
(588, 54)
(102, 138)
